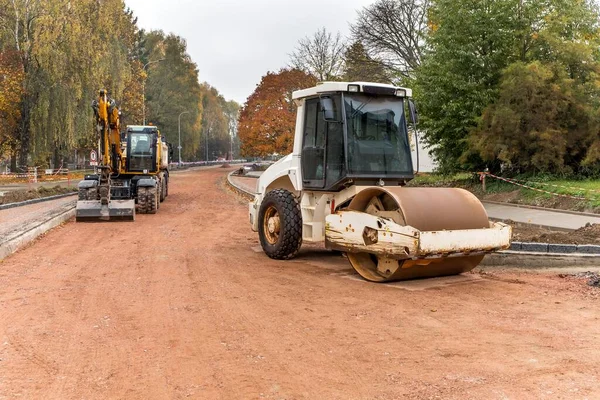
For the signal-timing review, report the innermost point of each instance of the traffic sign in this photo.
(93, 157)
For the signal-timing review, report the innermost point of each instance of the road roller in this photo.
(344, 185)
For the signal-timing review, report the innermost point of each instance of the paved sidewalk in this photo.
(546, 218)
(14, 221)
(244, 182)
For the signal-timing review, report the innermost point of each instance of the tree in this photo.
(392, 32)
(232, 111)
(359, 66)
(56, 54)
(11, 81)
(19, 20)
(68, 51)
(546, 115)
(528, 126)
(267, 119)
(173, 87)
(215, 126)
(468, 45)
(321, 55)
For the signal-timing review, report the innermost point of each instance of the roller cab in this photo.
(345, 185)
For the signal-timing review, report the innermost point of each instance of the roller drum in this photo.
(426, 209)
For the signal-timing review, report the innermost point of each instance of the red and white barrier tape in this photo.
(514, 182)
(557, 186)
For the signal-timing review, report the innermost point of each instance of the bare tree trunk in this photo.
(24, 130)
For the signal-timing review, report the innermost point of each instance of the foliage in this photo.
(359, 66)
(267, 119)
(539, 122)
(215, 125)
(546, 115)
(511, 83)
(469, 43)
(11, 81)
(173, 88)
(321, 55)
(56, 54)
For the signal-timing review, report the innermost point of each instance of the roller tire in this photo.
(289, 238)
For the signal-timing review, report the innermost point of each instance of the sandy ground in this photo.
(183, 304)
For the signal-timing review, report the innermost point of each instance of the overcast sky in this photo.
(235, 42)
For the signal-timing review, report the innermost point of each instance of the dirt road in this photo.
(181, 305)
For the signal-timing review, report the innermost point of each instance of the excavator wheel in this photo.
(280, 224)
(158, 196)
(141, 200)
(426, 209)
(163, 189)
(152, 200)
(148, 200)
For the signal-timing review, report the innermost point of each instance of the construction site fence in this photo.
(190, 164)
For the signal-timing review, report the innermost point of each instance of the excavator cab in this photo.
(141, 149)
(355, 138)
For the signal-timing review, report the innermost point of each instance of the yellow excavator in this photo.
(133, 170)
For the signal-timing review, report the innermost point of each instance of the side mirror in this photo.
(328, 109)
(414, 114)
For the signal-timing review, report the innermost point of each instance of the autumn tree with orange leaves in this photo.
(11, 79)
(268, 118)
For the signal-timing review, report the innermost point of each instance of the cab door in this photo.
(313, 146)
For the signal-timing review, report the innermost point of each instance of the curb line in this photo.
(24, 238)
(239, 190)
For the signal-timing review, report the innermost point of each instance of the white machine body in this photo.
(326, 218)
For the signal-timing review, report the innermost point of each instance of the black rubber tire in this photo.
(290, 220)
(142, 197)
(166, 186)
(163, 189)
(152, 203)
(158, 195)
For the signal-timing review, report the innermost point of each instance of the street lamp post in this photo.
(179, 130)
(144, 89)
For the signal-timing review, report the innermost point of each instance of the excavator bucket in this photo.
(115, 210)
